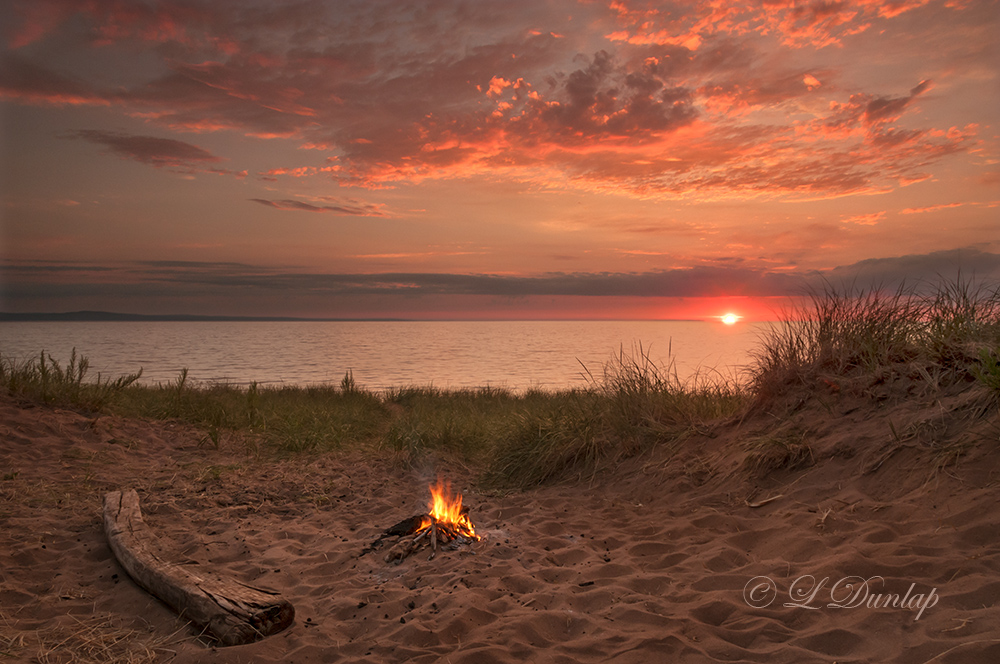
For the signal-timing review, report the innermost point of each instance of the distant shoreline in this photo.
(112, 317)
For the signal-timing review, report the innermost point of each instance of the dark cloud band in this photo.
(39, 280)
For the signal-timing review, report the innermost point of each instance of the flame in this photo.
(446, 507)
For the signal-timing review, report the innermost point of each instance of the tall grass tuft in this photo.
(963, 319)
(853, 332)
(43, 379)
(987, 369)
(550, 438)
(634, 405)
(644, 396)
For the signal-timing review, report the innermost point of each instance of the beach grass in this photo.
(947, 334)
(514, 438)
(43, 379)
(859, 342)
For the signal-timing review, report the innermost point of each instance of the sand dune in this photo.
(649, 561)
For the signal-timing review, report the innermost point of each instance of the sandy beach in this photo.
(665, 557)
(696, 304)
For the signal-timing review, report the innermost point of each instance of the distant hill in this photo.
(111, 317)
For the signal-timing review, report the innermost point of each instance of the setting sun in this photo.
(730, 319)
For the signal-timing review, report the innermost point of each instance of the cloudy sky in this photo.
(515, 159)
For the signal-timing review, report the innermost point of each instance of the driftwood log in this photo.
(232, 612)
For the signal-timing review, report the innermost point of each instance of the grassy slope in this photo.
(871, 345)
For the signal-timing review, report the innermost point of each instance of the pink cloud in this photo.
(110, 21)
(26, 82)
(33, 21)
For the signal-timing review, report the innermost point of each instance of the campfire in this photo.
(447, 524)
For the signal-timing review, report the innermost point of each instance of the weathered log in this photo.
(231, 611)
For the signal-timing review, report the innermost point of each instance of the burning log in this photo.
(437, 536)
(447, 523)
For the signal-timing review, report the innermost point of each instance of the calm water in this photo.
(513, 354)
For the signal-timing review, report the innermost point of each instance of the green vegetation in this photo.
(847, 340)
(948, 336)
(43, 379)
(514, 438)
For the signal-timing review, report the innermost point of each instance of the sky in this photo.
(521, 159)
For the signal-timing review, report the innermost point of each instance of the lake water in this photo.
(513, 354)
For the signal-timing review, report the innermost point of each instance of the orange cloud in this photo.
(930, 208)
(296, 172)
(498, 85)
(866, 219)
(689, 23)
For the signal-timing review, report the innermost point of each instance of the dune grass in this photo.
(44, 379)
(514, 439)
(948, 336)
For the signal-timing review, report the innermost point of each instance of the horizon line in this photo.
(113, 317)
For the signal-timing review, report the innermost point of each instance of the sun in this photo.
(730, 318)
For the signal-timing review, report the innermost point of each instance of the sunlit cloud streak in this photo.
(930, 208)
(419, 254)
(870, 219)
(690, 23)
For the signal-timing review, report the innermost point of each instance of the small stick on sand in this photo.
(761, 503)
